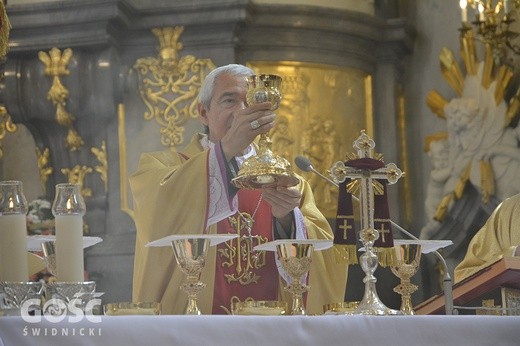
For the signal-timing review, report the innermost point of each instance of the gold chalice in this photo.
(266, 168)
(191, 254)
(296, 260)
(408, 257)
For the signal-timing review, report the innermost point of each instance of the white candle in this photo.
(13, 248)
(464, 10)
(69, 248)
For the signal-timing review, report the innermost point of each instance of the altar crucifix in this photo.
(371, 175)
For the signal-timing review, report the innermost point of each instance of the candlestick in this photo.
(68, 208)
(13, 233)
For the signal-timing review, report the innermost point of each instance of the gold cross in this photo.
(344, 226)
(383, 231)
(339, 172)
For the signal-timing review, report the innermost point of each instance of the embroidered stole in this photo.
(241, 273)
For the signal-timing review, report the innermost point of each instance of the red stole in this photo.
(241, 274)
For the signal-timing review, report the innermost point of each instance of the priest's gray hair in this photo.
(208, 85)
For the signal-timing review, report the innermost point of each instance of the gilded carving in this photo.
(43, 166)
(282, 137)
(76, 175)
(102, 168)
(6, 126)
(321, 146)
(169, 86)
(56, 66)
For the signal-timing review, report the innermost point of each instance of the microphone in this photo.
(305, 165)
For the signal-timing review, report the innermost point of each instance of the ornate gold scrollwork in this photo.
(102, 169)
(43, 166)
(169, 86)
(76, 175)
(55, 66)
(6, 125)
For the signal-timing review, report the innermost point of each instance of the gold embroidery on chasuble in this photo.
(238, 253)
(243, 273)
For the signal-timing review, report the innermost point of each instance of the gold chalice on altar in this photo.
(296, 260)
(265, 168)
(408, 257)
(191, 254)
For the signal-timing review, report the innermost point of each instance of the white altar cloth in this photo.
(266, 330)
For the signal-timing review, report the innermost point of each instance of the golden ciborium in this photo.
(191, 255)
(265, 168)
(296, 260)
(408, 257)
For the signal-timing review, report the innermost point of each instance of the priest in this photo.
(498, 238)
(189, 192)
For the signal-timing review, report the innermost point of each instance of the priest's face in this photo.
(229, 96)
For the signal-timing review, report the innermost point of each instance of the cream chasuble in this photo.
(171, 197)
(498, 238)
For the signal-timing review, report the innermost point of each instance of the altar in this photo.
(265, 330)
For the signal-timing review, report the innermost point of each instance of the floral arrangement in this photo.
(39, 217)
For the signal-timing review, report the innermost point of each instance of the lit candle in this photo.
(13, 233)
(68, 209)
(463, 6)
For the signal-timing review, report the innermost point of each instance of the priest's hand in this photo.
(283, 200)
(245, 125)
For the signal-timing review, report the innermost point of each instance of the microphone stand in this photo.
(447, 280)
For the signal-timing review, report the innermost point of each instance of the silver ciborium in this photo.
(296, 260)
(265, 168)
(191, 254)
(408, 257)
